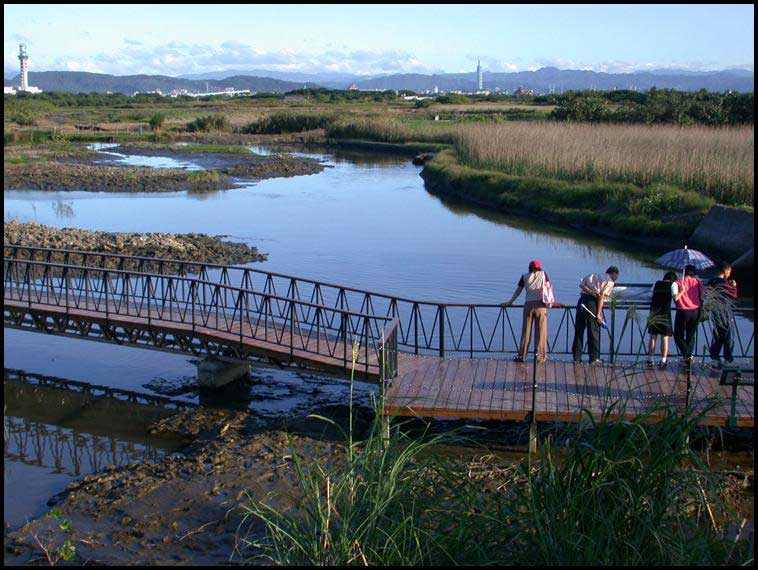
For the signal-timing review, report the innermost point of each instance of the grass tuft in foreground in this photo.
(625, 492)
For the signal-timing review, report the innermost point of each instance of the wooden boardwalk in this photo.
(492, 389)
(427, 386)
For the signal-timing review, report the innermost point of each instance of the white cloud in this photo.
(180, 57)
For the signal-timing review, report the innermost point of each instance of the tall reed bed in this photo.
(717, 162)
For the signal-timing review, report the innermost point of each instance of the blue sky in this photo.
(373, 39)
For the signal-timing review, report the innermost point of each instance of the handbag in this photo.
(548, 297)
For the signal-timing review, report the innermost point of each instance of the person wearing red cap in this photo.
(535, 311)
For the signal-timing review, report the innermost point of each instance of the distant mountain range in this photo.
(544, 80)
(83, 82)
(549, 79)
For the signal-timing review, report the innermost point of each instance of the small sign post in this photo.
(735, 377)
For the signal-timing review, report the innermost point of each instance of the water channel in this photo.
(366, 221)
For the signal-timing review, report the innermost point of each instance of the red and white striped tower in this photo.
(24, 59)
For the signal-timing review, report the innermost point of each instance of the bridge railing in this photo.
(232, 314)
(424, 327)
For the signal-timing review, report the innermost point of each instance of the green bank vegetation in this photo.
(636, 180)
(598, 493)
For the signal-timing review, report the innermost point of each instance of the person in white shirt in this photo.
(535, 311)
(595, 290)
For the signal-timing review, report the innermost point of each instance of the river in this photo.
(366, 221)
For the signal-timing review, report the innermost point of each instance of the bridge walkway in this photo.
(199, 316)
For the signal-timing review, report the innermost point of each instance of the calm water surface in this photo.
(365, 221)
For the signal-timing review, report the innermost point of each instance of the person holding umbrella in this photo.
(688, 297)
(589, 312)
(688, 294)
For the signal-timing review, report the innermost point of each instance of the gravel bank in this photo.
(186, 247)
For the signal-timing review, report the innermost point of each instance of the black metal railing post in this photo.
(441, 312)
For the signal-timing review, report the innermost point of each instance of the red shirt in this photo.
(693, 296)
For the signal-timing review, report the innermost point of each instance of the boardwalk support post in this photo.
(212, 373)
(533, 415)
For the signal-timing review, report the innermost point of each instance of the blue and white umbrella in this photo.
(681, 257)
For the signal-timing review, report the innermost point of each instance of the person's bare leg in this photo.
(651, 350)
(664, 348)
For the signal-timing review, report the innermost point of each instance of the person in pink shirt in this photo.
(688, 297)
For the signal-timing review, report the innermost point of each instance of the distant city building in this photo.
(521, 91)
(353, 87)
(23, 84)
(479, 76)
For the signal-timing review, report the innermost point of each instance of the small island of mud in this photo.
(74, 168)
(184, 247)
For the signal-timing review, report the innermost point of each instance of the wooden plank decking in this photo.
(486, 389)
(489, 389)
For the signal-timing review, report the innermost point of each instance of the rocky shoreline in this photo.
(184, 247)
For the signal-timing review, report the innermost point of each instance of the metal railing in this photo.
(424, 327)
(231, 314)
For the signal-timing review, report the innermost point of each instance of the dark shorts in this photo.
(661, 324)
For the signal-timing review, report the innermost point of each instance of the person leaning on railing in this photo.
(688, 296)
(589, 312)
(722, 321)
(537, 285)
(659, 321)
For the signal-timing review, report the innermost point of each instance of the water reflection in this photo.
(56, 431)
(63, 209)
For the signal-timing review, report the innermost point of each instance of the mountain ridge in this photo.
(542, 80)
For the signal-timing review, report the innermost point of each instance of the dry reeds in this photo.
(715, 161)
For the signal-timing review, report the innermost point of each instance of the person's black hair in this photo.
(669, 276)
(612, 269)
(689, 270)
(724, 266)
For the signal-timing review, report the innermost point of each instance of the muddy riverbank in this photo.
(186, 508)
(182, 509)
(185, 247)
(68, 169)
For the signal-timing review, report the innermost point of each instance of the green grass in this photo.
(655, 211)
(599, 492)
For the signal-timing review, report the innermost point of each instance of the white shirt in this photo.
(598, 285)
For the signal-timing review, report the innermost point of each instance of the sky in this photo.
(377, 39)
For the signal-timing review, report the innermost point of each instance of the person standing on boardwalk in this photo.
(659, 321)
(722, 318)
(535, 311)
(589, 312)
(688, 296)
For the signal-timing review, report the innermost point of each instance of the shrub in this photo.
(208, 123)
(288, 122)
(157, 120)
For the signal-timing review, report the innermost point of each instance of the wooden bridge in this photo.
(431, 359)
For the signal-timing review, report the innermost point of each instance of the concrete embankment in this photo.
(729, 234)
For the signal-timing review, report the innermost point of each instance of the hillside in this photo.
(82, 82)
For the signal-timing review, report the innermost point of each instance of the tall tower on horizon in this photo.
(479, 76)
(23, 58)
